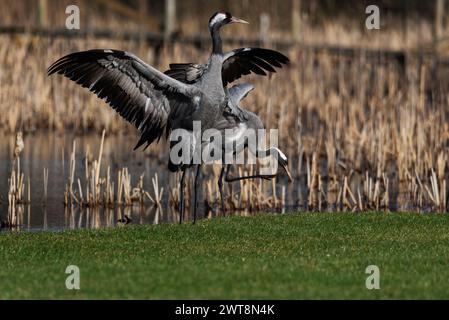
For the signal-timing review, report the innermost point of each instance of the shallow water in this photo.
(52, 151)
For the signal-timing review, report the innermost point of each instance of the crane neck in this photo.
(217, 46)
(263, 153)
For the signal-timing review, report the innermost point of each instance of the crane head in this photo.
(220, 19)
(283, 161)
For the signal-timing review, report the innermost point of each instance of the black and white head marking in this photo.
(282, 158)
(219, 19)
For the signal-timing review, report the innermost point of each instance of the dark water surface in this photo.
(52, 151)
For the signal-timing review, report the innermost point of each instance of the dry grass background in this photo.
(322, 21)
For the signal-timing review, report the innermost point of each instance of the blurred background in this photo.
(405, 24)
(362, 114)
(33, 35)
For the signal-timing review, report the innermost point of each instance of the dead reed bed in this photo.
(361, 133)
(405, 27)
(19, 193)
(95, 188)
(102, 191)
(245, 195)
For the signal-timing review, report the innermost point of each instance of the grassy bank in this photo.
(286, 256)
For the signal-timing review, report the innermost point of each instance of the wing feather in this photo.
(257, 60)
(236, 63)
(142, 95)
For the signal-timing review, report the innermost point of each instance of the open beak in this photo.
(288, 173)
(237, 20)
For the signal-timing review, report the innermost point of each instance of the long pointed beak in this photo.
(288, 173)
(237, 20)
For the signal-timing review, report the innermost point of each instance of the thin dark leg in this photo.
(232, 179)
(181, 189)
(220, 188)
(195, 203)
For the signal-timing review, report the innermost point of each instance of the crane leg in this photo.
(195, 202)
(220, 188)
(181, 189)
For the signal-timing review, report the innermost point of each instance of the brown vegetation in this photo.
(361, 133)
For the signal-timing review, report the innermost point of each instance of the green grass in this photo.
(296, 256)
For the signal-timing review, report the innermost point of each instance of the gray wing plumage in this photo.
(239, 92)
(233, 113)
(141, 94)
(243, 61)
(236, 63)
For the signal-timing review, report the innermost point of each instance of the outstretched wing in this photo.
(141, 94)
(243, 61)
(239, 92)
(236, 94)
(236, 63)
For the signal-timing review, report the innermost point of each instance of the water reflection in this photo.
(92, 218)
(52, 151)
(315, 187)
(95, 218)
(50, 210)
